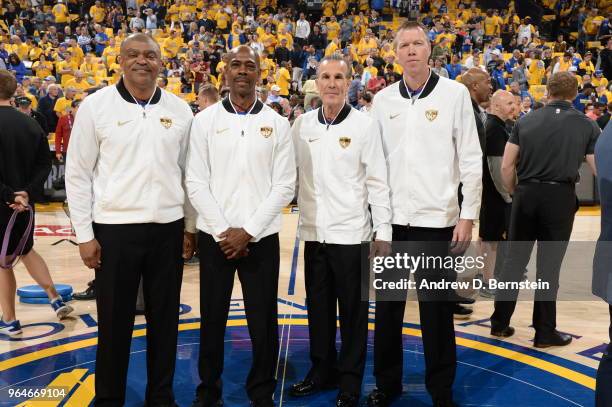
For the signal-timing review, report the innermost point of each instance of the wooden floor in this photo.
(587, 320)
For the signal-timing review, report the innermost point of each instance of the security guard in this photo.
(544, 153)
(431, 144)
(342, 171)
(124, 175)
(496, 201)
(241, 174)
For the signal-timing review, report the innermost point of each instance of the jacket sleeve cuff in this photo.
(252, 228)
(384, 232)
(84, 234)
(469, 213)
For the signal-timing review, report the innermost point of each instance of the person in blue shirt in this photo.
(513, 61)
(101, 39)
(602, 262)
(497, 75)
(16, 66)
(583, 98)
(454, 68)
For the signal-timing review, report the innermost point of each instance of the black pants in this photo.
(258, 274)
(545, 213)
(438, 331)
(603, 391)
(332, 276)
(154, 252)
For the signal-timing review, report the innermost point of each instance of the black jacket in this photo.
(25, 159)
(480, 126)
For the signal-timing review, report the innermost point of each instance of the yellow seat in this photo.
(506, 56)
(594, 44)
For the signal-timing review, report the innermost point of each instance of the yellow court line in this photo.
(529, 360)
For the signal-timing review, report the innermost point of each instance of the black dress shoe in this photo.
(465, 300)
(446, 401)
(88, 294)
(556, 339)
(503, 332)
(346, 399)
(308, 387)
(461, 312)
(379, 398)
(265, 402)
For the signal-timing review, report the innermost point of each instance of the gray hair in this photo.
(337, 58)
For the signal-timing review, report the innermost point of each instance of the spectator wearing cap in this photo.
(24, 105)
(598, 79)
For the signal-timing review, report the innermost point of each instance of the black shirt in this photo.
(553, 141)
(497, 136)
(25, 159)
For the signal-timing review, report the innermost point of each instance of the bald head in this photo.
(472, 76)
(478, 83)
(502, 104)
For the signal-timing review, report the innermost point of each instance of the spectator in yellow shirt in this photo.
(173, 11)
(42, 67)
(333, 28)
(97, 12)
(19, 47)
(79, 83)
(591, 24)
(599, 79)
(63, 104)
(491, 25)
(283, 79)
(60, 13)
(332, 47)
(67, 68)
(223, 21)
(109, 55)
(172, 45)
(77, 52)
(328, 8)
(586, 65)
(284, 34)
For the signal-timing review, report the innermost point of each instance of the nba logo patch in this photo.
(431, 114)
(266, 131)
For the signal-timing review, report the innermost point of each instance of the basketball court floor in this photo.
(61, 355)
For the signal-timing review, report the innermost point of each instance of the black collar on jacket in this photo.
(343, 114)
(429, 86)
(125, 94)
(230, 109)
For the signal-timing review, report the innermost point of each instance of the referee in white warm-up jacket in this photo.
(124, 178)
(240, 175)
(342, 171)
(431, 144)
